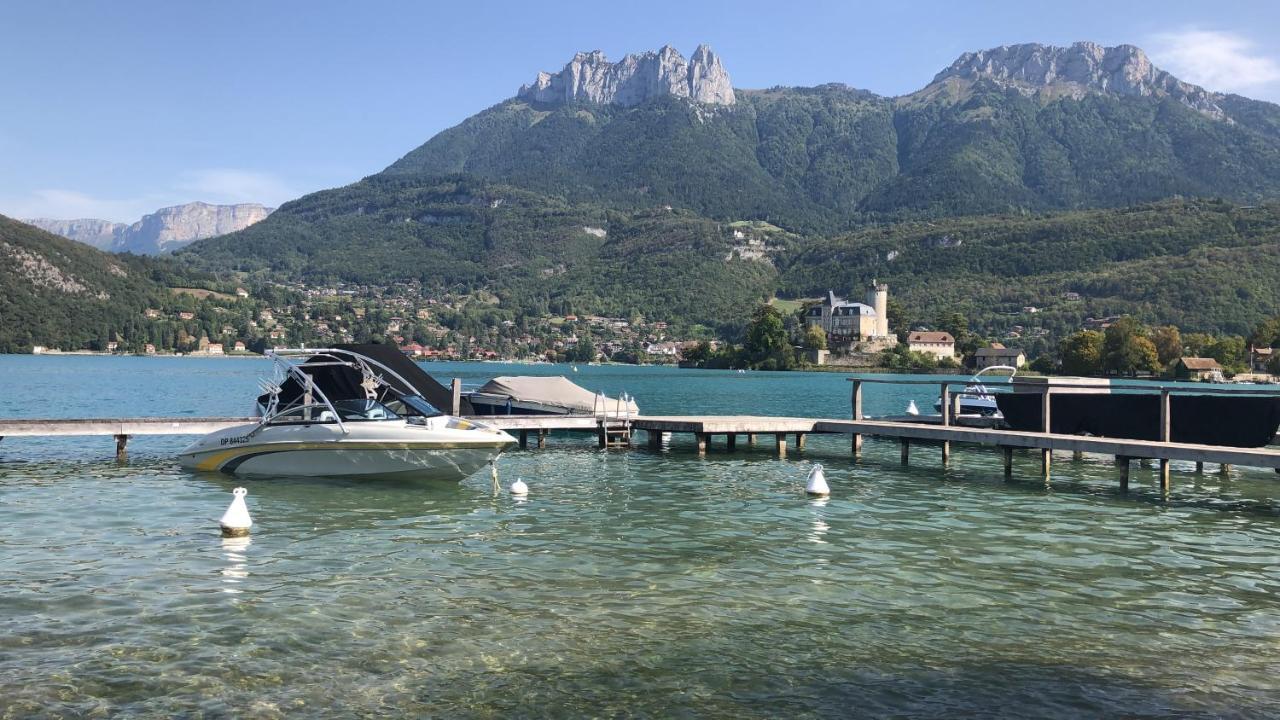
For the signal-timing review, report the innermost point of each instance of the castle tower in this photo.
(878, 298)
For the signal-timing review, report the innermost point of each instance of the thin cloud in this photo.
(1217, 60)
(220, 186)
(231, 185)
(63, 204)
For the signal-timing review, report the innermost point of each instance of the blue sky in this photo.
(114, 109)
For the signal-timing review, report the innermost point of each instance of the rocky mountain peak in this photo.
(1080, 68)
(590, 77)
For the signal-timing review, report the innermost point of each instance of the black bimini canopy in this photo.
(340, 382)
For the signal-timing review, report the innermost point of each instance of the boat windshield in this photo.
(409, 405)
(350, 410)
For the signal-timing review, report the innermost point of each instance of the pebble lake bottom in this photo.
(629, 583)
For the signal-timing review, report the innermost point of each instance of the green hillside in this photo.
(538, 254)
(830, 158)
(970, 195)
(1203, 265)
(61, 293)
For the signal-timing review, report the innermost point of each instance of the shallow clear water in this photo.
(629, 583)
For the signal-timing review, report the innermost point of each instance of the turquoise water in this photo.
(629, 583)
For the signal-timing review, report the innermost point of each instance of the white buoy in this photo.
(235, 521)
(912, 409)
(817, 484)
(519, 488)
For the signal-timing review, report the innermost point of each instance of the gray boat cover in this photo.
(557, 391)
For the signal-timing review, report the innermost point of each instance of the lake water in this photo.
(629, 583)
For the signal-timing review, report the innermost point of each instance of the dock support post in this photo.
(602, 435)
(751, 439)
(1077, 455)
(1008, 461)
(906, 451)
(1046, 462)
(122, 452)
(1164, 475)
(1165, 432)
(945, 404)
(731, 441)
(702, 439)
(1123, 463)
(799, 441)
(781, 440)
(542, 439)
(1046, 424)
(1199, 466)
(857, 415)
(456, 396)
(524, 439)
(655, 440)
(1224, 468)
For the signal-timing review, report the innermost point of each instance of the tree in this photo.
(1168, 342)
(1126, 349)
(699, 353)
(1195, 344)
(767, 347)
(1043, 364)
(1229, 352)
(1082, 353)
(1267, 334)
(815, 338)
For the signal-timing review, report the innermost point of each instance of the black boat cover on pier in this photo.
(1230, 421)
(339, 382)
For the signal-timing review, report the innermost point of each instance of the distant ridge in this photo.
(163, 231)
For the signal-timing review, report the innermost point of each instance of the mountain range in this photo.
(163, 231)
(652, 186)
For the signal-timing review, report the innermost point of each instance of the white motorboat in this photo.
(349, 411)
(977, 400)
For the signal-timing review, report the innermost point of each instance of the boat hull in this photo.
(403, 451)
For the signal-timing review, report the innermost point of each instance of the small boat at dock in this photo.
(349, 411)
(546, 395)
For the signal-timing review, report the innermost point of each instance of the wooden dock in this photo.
(941, 431)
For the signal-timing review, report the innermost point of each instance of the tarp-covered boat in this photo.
(1231, 421)
(532, 395)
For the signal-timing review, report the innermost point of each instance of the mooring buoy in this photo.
(817, 484)
(235, 521)
(519, 488)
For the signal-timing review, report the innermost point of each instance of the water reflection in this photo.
(235, 551)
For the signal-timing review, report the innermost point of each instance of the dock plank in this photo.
(36, 427)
